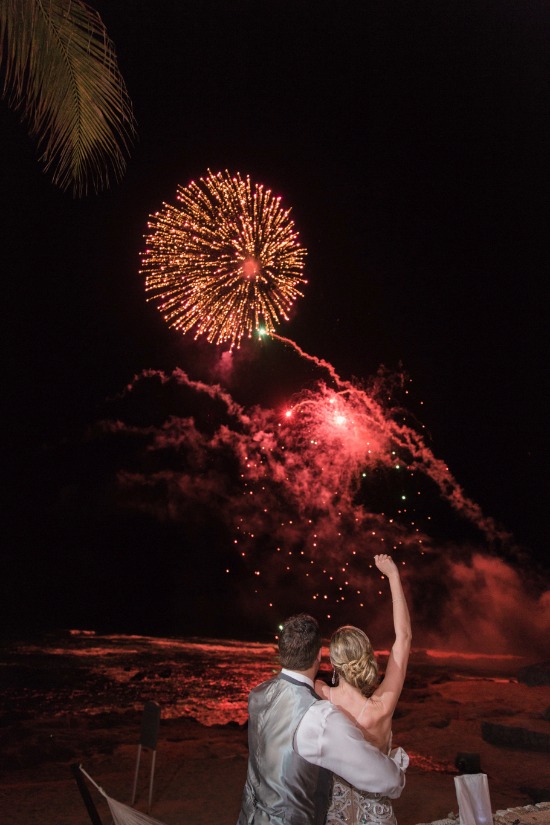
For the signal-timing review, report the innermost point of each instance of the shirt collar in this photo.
(298, 676)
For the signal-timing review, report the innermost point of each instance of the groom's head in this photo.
(299, 642)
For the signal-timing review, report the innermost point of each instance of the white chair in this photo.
(121, 814)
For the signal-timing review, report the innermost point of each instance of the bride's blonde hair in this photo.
(352, 657)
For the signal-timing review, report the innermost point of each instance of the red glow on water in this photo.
(474, 657)
(207, 679)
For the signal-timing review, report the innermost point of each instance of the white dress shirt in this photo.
(327, 738)
(298, 677)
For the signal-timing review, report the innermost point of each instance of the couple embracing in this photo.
(323, 755)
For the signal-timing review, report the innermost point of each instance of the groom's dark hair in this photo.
(299, 642)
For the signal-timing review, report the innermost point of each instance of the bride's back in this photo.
(370, 715)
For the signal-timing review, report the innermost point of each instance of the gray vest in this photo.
(281, 788)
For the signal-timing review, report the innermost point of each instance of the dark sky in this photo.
(410, 140)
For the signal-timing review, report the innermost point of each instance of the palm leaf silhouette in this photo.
(61, 73)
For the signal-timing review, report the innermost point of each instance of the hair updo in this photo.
(352, 657)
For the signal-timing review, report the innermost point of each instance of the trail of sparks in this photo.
(405, 439)
(320, 362)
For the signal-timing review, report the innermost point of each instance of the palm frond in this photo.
(61, 72)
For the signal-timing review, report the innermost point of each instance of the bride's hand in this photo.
(385, 564)
(321, 689)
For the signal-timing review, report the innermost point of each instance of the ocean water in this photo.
(80, 673)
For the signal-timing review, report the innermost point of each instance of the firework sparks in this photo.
(310, 491)
(225, 262)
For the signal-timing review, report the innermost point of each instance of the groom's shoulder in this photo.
(269, 684)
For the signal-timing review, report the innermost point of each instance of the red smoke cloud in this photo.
(300, 496)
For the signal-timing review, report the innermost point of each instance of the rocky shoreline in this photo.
(200, 769)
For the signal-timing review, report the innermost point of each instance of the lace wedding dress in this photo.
(350, 806)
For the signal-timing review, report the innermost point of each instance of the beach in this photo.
(450, 705)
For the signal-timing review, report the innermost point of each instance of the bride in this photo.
(368, 706)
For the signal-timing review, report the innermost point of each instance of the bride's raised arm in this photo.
(396, 669)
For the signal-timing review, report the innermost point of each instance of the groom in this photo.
(296, 741)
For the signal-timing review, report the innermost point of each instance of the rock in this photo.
(515, 737)
(535, 675)
(467, 762)
(536, 794)
(139, 676)
(439, 723)
(538, 814)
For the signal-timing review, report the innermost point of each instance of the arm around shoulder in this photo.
(327, 738)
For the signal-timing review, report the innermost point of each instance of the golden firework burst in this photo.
(225, 261)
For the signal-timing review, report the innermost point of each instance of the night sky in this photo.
(409, 140)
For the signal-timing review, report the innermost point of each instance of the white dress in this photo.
(349, 806)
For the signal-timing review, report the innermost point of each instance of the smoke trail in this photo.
(309, 492)
(313, 358)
